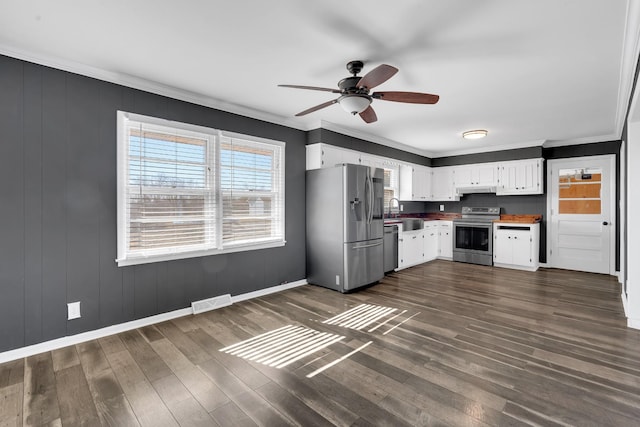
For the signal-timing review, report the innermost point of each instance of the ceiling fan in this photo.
(354, 92)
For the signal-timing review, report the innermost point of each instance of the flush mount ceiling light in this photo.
(354, 104)
(474, 134)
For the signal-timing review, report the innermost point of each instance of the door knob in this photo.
(605, 223)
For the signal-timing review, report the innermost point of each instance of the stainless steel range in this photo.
(473, 235)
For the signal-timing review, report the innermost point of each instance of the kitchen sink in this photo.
(409, 224)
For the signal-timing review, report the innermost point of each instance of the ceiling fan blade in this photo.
(377, 76)
(410, 97)
(317, 107)
(324, 89)
(369, 115)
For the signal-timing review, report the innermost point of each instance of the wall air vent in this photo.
(211, 303)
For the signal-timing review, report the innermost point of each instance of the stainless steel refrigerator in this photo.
(345, 206)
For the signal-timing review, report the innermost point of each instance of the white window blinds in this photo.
(252, 187)
(391, 175)
(191, 191)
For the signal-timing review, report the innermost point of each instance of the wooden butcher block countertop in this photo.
(522, 219)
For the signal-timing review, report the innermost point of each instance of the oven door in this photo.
(473, 242)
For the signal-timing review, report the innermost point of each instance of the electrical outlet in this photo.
(73, 310)
(441, 208)
(401, 208)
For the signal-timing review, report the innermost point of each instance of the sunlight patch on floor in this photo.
(282, 346)
(360, 316)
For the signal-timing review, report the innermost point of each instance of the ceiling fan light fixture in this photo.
(354, 104)
(474, 134)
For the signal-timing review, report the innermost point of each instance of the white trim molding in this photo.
(55, 344)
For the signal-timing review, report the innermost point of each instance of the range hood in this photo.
(476, 189)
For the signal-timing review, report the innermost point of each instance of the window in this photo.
(186, 190)
(580, 191)
(390, 183)
(391, 175)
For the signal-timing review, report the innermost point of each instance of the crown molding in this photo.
(628, 63)
(375, 139)
(149, 86)
(578, 141)
(488, 149)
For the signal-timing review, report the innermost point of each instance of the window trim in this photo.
(124, 257)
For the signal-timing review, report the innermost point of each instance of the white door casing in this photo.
(581, 241)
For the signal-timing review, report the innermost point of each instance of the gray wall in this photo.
(488, 157)
(58, 210)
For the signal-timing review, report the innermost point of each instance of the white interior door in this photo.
(581, 207)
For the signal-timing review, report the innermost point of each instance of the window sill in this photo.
(195, 254)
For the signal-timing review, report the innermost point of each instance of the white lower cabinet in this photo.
(430, 240)
(445, 239)
(410, 248)
(516, 245)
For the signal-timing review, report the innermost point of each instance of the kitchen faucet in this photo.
(390, 201)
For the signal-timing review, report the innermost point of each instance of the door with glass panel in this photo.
(581, 206)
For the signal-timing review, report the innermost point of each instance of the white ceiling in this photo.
(548, 72)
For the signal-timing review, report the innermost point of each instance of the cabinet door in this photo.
(412, 248)
(406, 182)
(502, 247)
(442, 187)
(464, 176)
(445, 239)
(521, 177)
(421, 183)
(521, 247)
(332, 156)
(350, 156)
(430, 240)
(415, 183)
(487, 174)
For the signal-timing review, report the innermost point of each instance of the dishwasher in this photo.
(390, 244)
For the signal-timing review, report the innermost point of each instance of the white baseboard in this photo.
(623, 297)
(633, 323)
(267, 291)
(31, 350)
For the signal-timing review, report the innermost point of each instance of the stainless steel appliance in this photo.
(345, 226)
(473, 235)
(390, 247)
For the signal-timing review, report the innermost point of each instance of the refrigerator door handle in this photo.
(366, 197)
(367, 246)
(371, 194)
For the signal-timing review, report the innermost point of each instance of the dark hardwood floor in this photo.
(466, 345)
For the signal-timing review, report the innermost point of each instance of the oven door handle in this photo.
(474, 224)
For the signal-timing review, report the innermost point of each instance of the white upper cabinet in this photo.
(476, 175)
(520, 177)
(442, 186)
(415, 183)
(324, 155)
